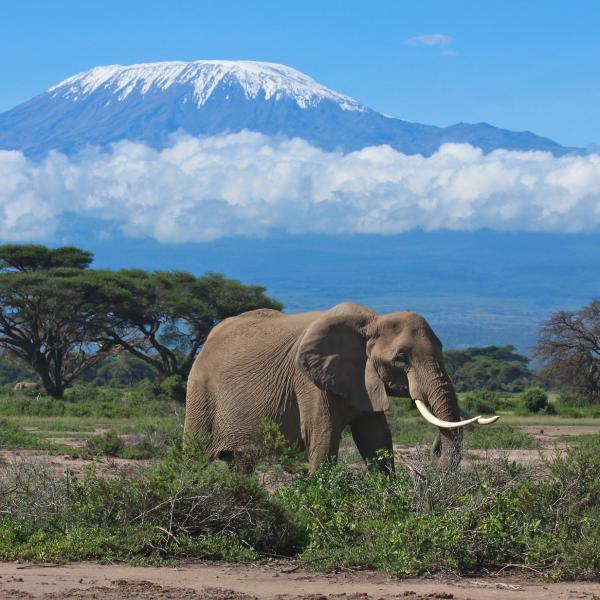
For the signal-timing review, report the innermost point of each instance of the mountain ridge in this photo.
(150, 101)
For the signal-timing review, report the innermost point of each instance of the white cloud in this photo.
(430, 39)
(200, 189)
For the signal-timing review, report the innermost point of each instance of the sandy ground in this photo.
(235, 582)
(549, 433)
(105, 466)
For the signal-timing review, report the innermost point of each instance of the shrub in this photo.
(181, 507)
(481, 402)
(573, 399)
(107, 444)
(534, 399)
(275, 450)
(173, 388)
(85, 400)
(475, 519)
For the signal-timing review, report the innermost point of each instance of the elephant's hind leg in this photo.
(199, 417)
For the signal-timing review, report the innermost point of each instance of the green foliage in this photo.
(275, 449)
(534, 399)
(13, 436)
(164, 318)
(108, 444)
(497, 368)
(481, 402)
(573, 399)
(151, 442)
(473, 520)
(181, 507)
(498, 436)
(122, 370)
(28, 258)
(476, 519)
(85, 400)
(173, 388)
(13, 370)
(577, 412)
(62, 318)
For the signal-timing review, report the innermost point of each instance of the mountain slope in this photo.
(150, 101)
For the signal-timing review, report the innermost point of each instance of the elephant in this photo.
(315, 373)
(27, 385)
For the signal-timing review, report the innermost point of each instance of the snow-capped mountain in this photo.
(147, 102)
(200, 79)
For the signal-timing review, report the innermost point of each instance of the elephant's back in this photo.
(263, 326)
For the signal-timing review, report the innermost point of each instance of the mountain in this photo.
(147, 102)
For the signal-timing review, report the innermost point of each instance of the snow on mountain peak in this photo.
(204, 76)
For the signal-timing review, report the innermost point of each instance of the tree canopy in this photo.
(497, 368)
(28, 257)
(62, 318)
(164, 318)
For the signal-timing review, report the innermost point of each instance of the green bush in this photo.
(476, 519)
(534, 399)
(573, 399)
(578, 412)
(181, 507)
(149, 443)
(173, 387)
(481, 402)
(107, 444)
(498, 436)
(85, 400)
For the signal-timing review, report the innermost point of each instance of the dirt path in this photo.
(235, 582)
(549, 433)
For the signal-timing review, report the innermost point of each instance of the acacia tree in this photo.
(26, 258)
(569, 349)
(49, 316)
(61, 317)
(164, 318)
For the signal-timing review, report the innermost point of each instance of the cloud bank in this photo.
(201, 189)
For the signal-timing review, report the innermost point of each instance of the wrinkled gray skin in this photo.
(314, 374)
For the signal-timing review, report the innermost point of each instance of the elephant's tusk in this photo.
(488, 421)
(429, 416)
(481, 421)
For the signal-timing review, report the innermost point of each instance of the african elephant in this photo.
(27, 385)
(315, 373)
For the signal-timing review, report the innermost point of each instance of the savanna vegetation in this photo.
(484, 517)
(111, 350)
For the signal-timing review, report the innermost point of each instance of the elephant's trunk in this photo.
(436, 400)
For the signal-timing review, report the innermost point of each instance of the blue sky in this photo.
(520, 65)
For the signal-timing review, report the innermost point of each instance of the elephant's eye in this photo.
(400, 359)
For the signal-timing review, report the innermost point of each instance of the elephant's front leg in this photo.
(371, 433)
(321, 426)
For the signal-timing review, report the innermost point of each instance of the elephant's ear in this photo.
(333, 355)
